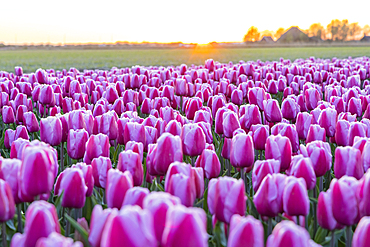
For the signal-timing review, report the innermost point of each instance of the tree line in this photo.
(336, 30)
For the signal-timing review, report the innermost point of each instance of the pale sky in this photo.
(198, 21)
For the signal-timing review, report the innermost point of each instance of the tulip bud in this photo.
(158, 204)
(139, 233)
(131, 161)
(230, 123)
(210, 163)
(302, 168)
(361, 236)
(8, 115)
(328, 120)
(30, 120)
(96, 146)
(100, 167)
(348, 162)
(242, 151)
(272, 111)
(316, 133)
(288, 234)
(303, 124)
(279, 148)
(41, 221)
(260, 170)
(76, 143)
(226, 198)
(245, 231)
(135, 196)
(7, 202)
(185, 227)
(71, 182)
(269, 196)
(117, 184)
(289, 108)
(311, 98)
(38, 170)
(193, 139)
(97, 224)
(51, 130)
(55, 239)
(344, 206)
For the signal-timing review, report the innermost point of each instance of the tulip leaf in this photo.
(320, 235)
(79, 228)
(219, 234)
(158, 185)
(205, 197)
(10, 224)
(314, 200)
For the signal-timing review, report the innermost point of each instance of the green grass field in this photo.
(31, 60)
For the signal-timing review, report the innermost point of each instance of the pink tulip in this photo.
(185, 227)
(131, 161)
(345, 205)
(38, 170)
(288, 234)
(8, 115)
(167, 151)
(348, 162)
(97, 224)
(100, 167)
(135, 196)
(356, 129)
(193, 139)
(210, 163)
(134, 132)
(251, 117)
(138, 233)
(287, 130)
(325, 216)
(328, 120)
(30, 120)
(303, 124)
(76, 143)
(158, 203)
(245, 231)
(87, 172)
(230, 123)
(96, 146)
(117, 184)
(41, 221)
(302, 167)
(279, 148)
(55, 239)
(72, 184)
(289, 108)
(342, 133)
(316, 133)
(272, 111)
(261, 169)
(311, 97)
(51, 130)
(226, 198)
(242, 151)
(7, 202)
(320, 155)
(361, 236)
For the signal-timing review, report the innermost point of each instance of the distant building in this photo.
(267, 40)
(293, 35)
(365, 39)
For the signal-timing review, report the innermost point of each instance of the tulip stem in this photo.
(314, 213)
(348, 235)
(332, 241)
(242, 175)
(228, 168)
(45, 111)
(192, 161)
(180, 104)
(19, 214)
(269, 226)
(61, 156)
(321, 184)
(298, 223)
(67, 223)
(3, 234)
(158, 182)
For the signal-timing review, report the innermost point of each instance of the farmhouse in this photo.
(365, 39)
(293, 35)
(267, 40)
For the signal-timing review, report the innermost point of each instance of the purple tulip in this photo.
(96, 146)
(210, 163)
(76, 143)
(348, 162)
(279, 148)
(302, 167)
(131, 161)
(242, 151)
(193, 139)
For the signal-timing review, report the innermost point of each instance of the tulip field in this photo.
(253, 153)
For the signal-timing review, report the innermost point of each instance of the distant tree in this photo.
(366, 30)
(279, 32)
(354, 30)
(338, 30)
(252, 35)
(316, 30)
(267, 33)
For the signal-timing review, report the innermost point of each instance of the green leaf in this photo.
(10, 224)
(205, 197)
(320, 235)
(79, 228)
(219, 234)
(159, 185)
(313, 200)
